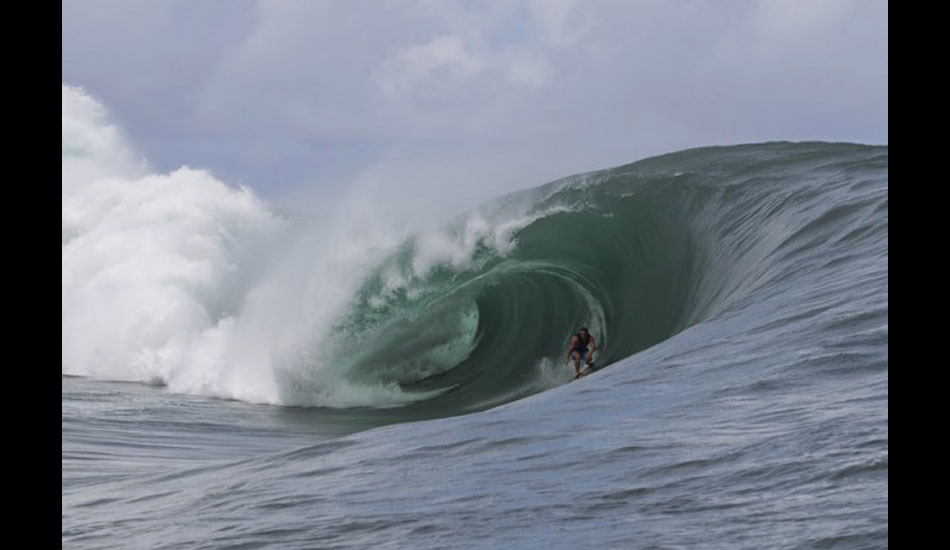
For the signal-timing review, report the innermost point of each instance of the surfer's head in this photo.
(583, 331)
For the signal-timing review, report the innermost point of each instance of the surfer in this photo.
(579, 350)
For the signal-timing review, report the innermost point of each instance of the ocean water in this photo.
(225, 386)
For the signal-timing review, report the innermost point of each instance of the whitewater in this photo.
(239, 376)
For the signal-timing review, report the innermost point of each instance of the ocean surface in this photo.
(409, 391)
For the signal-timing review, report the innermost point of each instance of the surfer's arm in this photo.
(593, 348)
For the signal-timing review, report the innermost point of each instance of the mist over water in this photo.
(182, 280)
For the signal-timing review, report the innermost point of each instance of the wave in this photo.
(179, 279)
(482, 312)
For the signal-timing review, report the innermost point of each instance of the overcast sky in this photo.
(469, 99)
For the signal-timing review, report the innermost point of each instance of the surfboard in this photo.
(587, 370)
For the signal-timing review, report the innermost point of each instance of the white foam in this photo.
(457, 246)
(182, 280)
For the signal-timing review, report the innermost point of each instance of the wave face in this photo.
(483, 312)
(171, 279)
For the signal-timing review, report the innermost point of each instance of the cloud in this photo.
(291, 96)
(423, 72)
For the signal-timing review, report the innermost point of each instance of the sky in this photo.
(442, 104)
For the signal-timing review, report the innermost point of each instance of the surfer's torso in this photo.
(582, 344)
